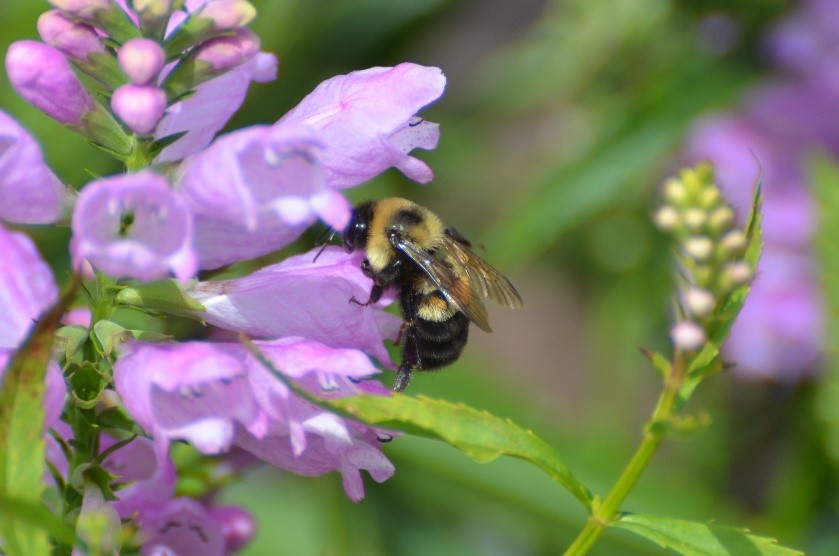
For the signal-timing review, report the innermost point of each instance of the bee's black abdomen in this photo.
(440, 343)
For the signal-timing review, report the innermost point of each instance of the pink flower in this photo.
(75, 40)
(29, 192)
(366, 121)
(40, 74)
(256, 190)
(140, 107)
(205, 112)
(301, 297)
(182, 526)
(218, 395)
(27, 289)
(133, 225)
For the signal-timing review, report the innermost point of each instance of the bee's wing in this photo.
(458, 291)
(485, 279)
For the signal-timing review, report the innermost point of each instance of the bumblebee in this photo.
(441, 281)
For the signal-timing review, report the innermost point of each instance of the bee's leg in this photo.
(410, 361)
(402, 329)
(375, 295)
(403, 377)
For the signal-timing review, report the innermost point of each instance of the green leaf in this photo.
(37, 517)
(693, 538)
(660, 363)
(21, 429)
(478, 434)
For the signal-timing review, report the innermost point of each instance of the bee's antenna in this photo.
(319, 241)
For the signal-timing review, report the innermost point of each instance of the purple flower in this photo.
(229, 51)
(40, 74)
(366, 121)
(141, 60)
(300, 297)
(237, 525)
(135, 226)
(140, 107)
(256, 190)
(146, 473)
(205, 112)
(29, 192)
(75, 40)
(27, 287)
(182, 526)
(779, 333)
(218, 395)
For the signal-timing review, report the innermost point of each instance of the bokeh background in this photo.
(560, 120)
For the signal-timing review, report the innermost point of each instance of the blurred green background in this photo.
(559, 121)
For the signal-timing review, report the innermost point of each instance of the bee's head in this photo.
(357, 232)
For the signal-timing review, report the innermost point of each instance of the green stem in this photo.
(605, 513)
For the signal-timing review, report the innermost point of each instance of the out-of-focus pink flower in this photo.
(140, 107)
(237, 525)
(141, 60)
(215, 395)
(27, 287)
(779, 334)
(135, 226)
(366, 121)
(302, 297)
(41, 74)
(205, 112)
(29, 192)
(75, 40)
(147, 471)
(182, 526)
(256, 190)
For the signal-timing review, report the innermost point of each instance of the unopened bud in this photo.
(227, 14)
(720, 219)
(666, 218)
(733, 243)
(83, 9)
(42, 75)
(687, 336)
(710, 196)
(736, 274)
(698, 302)
(695, 219)
(75, 40)
(237, 525)
(140, 107)
(141, 60)
(699, 248)
(675, 191)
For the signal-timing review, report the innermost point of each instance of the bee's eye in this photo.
(356, 235)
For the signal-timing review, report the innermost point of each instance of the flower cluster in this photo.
(709, 252)
(166, 78)
(779, 334)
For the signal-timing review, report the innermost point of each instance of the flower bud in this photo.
(699, 248)
(140, 107)
(667, 218)
(227, 14)
(82, 9)
(733, 243)
(237, 525)
(710, 197)
(154, 16)
(687, 336)
(75, 40)
(675, 192)
(698, 302)
(211, 59)
(736, 274)
(695, 218)
(40, 74)
(720, 219)
(141, 60)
